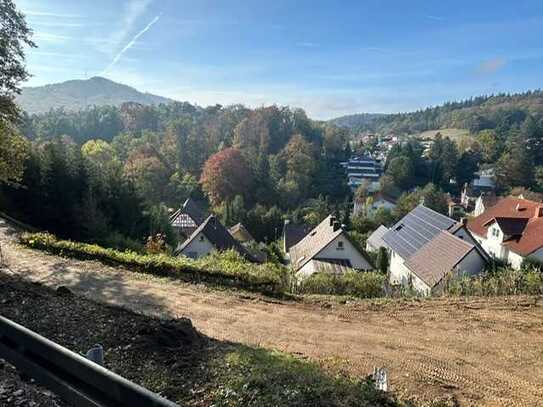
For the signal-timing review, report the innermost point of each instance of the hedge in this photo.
(227, 268)
(362, 284)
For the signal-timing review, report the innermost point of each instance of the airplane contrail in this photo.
(130, 44)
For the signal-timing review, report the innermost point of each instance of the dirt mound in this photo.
(172, 334)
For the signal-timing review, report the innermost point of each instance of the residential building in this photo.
(376, 201)
(211, 236)
(375, 240)
(187, 219)
(427, 248)
(362, 169)
(483, 184)
(327, 248)
(240, 233)
(511, 230)
(484, 202)
(292, 234)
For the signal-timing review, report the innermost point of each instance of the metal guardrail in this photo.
(71, 376)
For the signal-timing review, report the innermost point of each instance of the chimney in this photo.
(332, 220)
(336, 226)
(538, 211)
(464, 221)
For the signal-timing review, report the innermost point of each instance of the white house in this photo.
(427, 248)
(511, 230)
(377, 201)
(483, 202)
(327, 248)
(187, 218)
(375, 240)
(211, 236)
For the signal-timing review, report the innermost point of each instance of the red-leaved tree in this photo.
(225, 175)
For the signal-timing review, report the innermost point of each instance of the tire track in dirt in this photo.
(474, 350)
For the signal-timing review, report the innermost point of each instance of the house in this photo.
(327, 248)
(240, 233)
(375, 240)
(211, 236)
(186, 219)
(511, 230)
(377, 201)
(427, 248)
(483, 184)
(293, 233)
(363, 169)
(484, 202)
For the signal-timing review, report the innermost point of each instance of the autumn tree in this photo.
(14, 35)
(225, 175)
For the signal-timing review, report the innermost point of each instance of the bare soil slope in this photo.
(486, 351)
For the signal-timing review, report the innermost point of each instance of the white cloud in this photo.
(50, 38)
(133, 10)
(130, 44)
(33, 13)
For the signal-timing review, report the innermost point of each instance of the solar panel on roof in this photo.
(416, 229)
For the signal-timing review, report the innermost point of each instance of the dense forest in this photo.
(106, 173)
(112, 174)
(498, 112)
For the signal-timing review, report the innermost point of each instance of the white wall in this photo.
(479, 207)
(401, 275)
(349, 252)
(199, 246)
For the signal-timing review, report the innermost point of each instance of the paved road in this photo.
(478, 351)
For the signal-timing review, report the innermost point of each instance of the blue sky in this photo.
(328, 57)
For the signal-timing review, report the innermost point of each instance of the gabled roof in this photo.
(311, 245)
(438, 257)
(521, 217)
(416, 229)
(511, 226)
(192, 209)
(293, 233)
(218, 236)
(242, 231)
(376, 238)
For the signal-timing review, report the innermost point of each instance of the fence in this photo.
(72, 377)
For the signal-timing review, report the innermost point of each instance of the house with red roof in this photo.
(511, 230)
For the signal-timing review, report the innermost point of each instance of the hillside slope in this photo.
(446, 348)
(77, 94)
(473, 114)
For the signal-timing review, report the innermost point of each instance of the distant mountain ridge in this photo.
(79, 94)
(473, 114)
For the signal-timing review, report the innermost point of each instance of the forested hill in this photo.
(360, 120)
(78, 94)
(475, 114)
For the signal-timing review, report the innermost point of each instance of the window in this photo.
(340, 245)
(201, 238)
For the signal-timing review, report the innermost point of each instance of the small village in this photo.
(271, 204)
(424, 249)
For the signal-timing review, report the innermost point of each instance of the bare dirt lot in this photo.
(486, 351)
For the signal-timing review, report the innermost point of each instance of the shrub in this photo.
(501, 282)
(227, 268)
(358, 284)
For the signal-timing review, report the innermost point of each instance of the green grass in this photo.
(227, 268)
(457, 135)
(258, 377)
